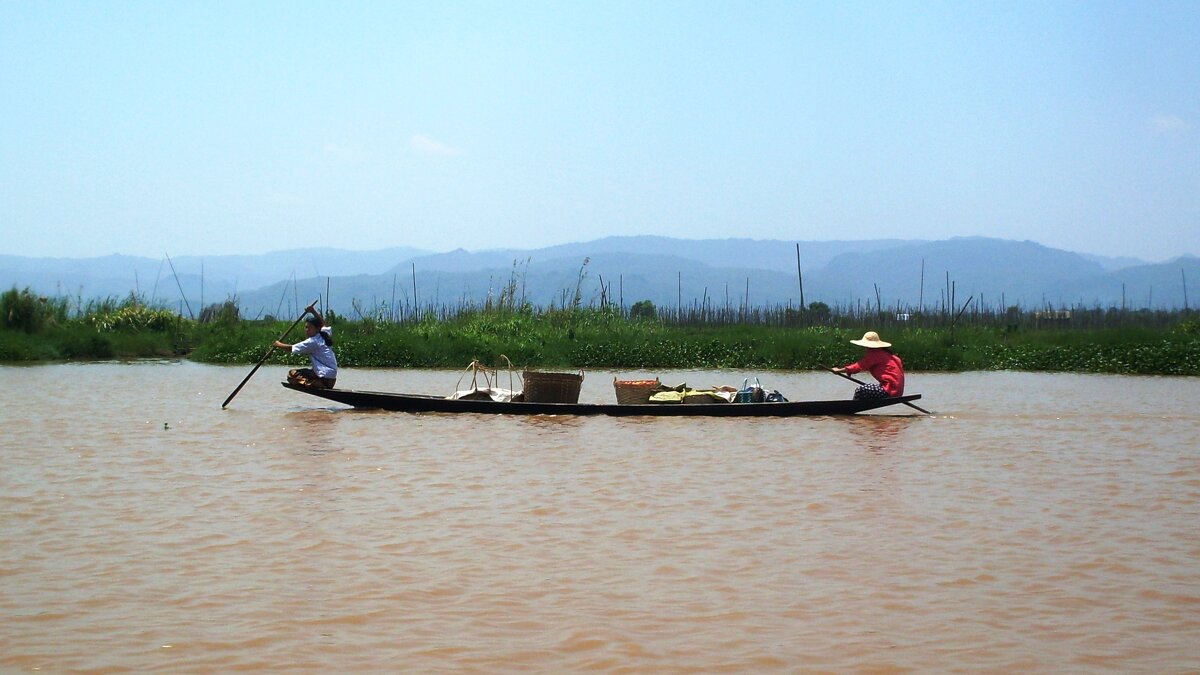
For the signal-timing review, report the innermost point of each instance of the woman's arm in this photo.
(851, 368)
(312, 309)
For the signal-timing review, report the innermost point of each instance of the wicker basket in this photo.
(552, 387)
(632, 392)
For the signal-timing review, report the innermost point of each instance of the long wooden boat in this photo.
(425, 403)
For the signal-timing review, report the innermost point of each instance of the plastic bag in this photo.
(751, 393)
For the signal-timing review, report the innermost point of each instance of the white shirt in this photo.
(323, 360)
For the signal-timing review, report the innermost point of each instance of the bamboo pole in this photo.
(182, 295)
(800, 276)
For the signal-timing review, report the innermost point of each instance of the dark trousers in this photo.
(307, 377)
(870, 391)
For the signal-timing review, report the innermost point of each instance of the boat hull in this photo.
(435, 404)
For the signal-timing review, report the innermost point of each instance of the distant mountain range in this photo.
(726, 272)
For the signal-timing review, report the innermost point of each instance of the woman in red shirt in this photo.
(882, 363)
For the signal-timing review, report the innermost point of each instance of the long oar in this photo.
(855, 379)
(264, 358)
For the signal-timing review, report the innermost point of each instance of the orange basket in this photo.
(632, 392)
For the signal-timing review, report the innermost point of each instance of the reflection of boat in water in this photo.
(427, 403)
(880, 433)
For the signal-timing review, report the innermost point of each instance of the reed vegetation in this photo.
(640, 337)
(37, 328)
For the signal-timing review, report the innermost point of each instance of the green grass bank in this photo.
(34, 329)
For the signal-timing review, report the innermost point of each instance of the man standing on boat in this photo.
(882, 363)
(319, 347)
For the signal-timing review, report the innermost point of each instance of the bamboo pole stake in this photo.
(800, 276)
(182, 295)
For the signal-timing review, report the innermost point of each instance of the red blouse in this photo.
(883, 366)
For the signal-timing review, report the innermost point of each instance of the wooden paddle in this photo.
(265, 356)
(855, 379)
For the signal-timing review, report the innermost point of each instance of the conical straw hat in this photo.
(870, 339)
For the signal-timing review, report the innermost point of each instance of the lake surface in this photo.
(1046, 523)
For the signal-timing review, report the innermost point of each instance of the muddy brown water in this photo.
(1046, 523)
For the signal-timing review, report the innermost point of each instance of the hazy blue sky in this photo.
(211, 127)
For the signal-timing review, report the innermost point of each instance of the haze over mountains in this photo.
(665, 271)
